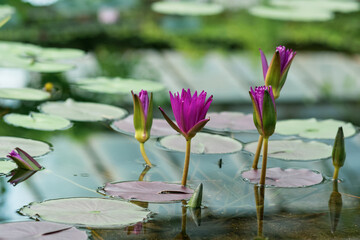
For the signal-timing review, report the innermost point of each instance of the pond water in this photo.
(78, 166)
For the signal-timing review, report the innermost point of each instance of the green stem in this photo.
(336, 173)
(264, 161)
(142, 150)
(186, 164)
(257, 154)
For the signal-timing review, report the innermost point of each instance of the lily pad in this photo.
(187, 8)
(27, 94)
(6, 167)
(202, 143)
(160, 127)
(49, 67)
(313, 128)
(33, 147)
(118, 85)
(230, 122)
(87, 212)
(284, 177)
(82, 111)
(38, 121)
(5, 14)
(292, 14)
(332, 5)
(40, 230)
(148, 191)
(297, 150)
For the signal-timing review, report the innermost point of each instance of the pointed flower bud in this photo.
(189, 112)
(338, 153)
(24, 160)
(264, 110)
(275, 74)
(143, 115)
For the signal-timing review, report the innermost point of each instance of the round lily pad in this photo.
(333, 5)
(118, 85)
(297, 150)
(87, 212)
(202, 143)
(82, 111)
(38, 121)
(230, 122)
(160, 127)
(49, 67)
(40, 230)
(32, 147)
(187, 8)
(148, 191)
(313, 128)
(27, 94)
(6, 167)
(292, 14)
(278, 177)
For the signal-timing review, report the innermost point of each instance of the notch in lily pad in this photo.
(23, 160)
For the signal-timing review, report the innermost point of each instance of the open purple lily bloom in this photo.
(189, 112)
(275, 74)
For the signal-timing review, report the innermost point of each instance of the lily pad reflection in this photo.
(87, 212)
(278, 177)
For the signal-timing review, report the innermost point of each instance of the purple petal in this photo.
(264, 63)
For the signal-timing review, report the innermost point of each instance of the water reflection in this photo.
(183, 235)
(335, 206)
(19, 175)
(259, 192)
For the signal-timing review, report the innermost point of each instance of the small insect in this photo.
(220, 162)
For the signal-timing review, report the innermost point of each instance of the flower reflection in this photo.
(259, 192)
(19, 175)
(335, 206)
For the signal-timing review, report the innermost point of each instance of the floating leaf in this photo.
(118, 85)
(148, 191)
(40, 230)
(160, 127)
(187, 8)
(49, 67)
(5, 14)
(312, 128)
(82, 111)
(87, 212)
(284, 177)
(294, 150)
(230, 122)
(33, 147)
(202, 143)
(292, 14)
(60, 53)
(6, 167)
(332, 5)
(28, 94)
(38, 121)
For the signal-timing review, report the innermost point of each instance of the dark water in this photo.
(77, 167)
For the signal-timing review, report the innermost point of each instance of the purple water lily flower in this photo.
(275, 74)
(189, 112)
(24, 160)
(264, 109)
(143, 116)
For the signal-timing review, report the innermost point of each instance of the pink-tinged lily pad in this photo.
(284, 177)
(148, 191)
(160, 127)
(230, 122)
(296, 150)
(87, 212)
(202, 143)
(40, 230)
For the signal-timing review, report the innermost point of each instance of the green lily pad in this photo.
(6, 167)
(202, 143)
(82, 111)
(87, 212)
(292, 14)
(32, 147)
(5, 14)
(313, 128)
(27, 94)
(230, 122)
(297, 150)
(332, 5)
(118, 85)
(187, 8)
(38, 121)
(49, 67)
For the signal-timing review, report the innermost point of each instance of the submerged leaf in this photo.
(148, 191)
(284, 177)
(202, 143)
(40, 230)
(87, 212)
(230, 122)
(297, 150)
